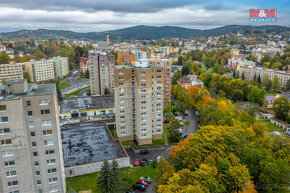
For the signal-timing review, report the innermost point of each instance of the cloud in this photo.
(102, 15)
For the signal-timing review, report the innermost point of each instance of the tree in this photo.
(288, 84)
(4, 58)
(281, 107)
(237, 95)
(255, 78)
(257, 95)
(27, 76)
(176, 76)
(275, 84)
(116, 177)
(266, 81)
(173, 129)
(87, 75)
(105, 180)
(243, 76)
(259, 79)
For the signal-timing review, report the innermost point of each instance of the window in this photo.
(158, 77)
(122, 127)
(54, 189)
(50, 161)
(143, 79)
(44, 101)
(47, 132)
(158, 105)
(36, 164)
(143, 102)
(143, 96)
(50, 171)
(29, 113)
(143, 91)
(121, 72)
(121, 89)
(33, 144)
(143, 85)
(143, 113)
(4, 120)
(4, 131)
(158, 82)
(143, 119)
(121, 83)
(158, 71)
(35, 154)
(122, 101)
(6, 142)
(122, 117)
(31, 124)
(121, 78)
(159, 88)
(9, 163)
(49, 152)
(159, 130)
(16, 191)
(52, 180)
(7, 153)
(39, 191)
(37, 173)
(144, 135)
(123, 133)
(10, 174)
(32, 134)
(48, 142)
(143, 72)
(143, 124)
(121, 95)
(38, 182)
(12, 184)
(28, 103)
(143, 130)
(122, 122)
(45, 112)
(2, 107)
(122, 106)
(45, 122)
(143, 108)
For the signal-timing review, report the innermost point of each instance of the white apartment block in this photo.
(139, 102)
(250, 71)
(140, 55)
(101, 74)
(61, 66)
(12, 71)
(31, 159)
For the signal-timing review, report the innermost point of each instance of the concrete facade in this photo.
(31, 153)
(101, 73)
(139, 102)
(12, 71)
(61, 66)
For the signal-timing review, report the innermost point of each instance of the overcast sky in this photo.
(102, 15)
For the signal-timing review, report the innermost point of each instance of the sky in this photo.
(103, 15)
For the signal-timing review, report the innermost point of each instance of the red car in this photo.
(142, 182)
(165, 121)
(137, 162)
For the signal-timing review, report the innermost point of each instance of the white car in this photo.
(180, 130)
(178, 118)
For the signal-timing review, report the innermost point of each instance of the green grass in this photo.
(113, 132)
(88, 181)
(75, 93)
(82, 79)
(186, 122)
(270, 93)
(155, 142)
(63, 85)
(271, 127)
(129, 143)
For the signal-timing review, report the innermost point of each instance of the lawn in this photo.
(82, 79)
(156, 142)
(75, 93)
(271, 127)
(186, 122)
(88, 181)
(63, 85)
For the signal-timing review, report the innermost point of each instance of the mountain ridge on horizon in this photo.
(139, 32)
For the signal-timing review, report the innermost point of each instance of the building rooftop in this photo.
(87, 103)
(136, 67)
(33, 90)
(88, 142)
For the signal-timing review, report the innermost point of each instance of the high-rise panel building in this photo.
(101, 74)
(139, 102)
(125, 58)
(12, 71)
(61, 66)
(166, 65)
(31, 157)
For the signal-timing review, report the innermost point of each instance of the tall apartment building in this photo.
(250, 71)
(84, 65)
(31, 159)
(101, 73)
(166, 65)
(125, 58)
(12, 71)
(139, 102)
(139, 54)
(61, 66)
(44, 70)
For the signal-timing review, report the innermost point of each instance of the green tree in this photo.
(173, 129)
(237, 95)
(281, 107)
(288, 84)
(259, 79)
(4, 58)
(243, 76)
(116, 177)
(27, 76)
(257, 95)
(87, 75)
(275, 84)
(176, 76)
(266, 81)
(105, 178)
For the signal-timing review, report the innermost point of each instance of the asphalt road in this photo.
(193, 126)
(74, 82)
(83, 92)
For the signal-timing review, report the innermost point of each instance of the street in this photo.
(193, 126)
(72, 79)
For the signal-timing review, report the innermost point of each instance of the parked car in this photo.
(165, 121)
(179, 130)
(186, 113)
(150, 162)
(176, 113)
(181, 124)
(130, 191)
(146, 179)
(144, 152)
(198, 120)
(196, 112)
(139, 187)
(137, 162)
(142, 182)
(185, 136)
(179, 118)
(143, 163)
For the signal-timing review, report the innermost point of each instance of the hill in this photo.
(141, 32)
